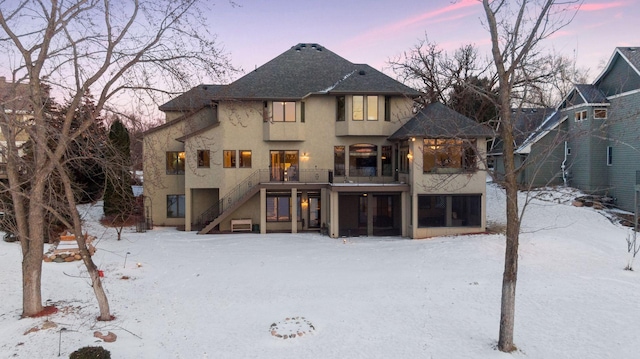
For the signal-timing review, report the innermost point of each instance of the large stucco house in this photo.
(311, 141)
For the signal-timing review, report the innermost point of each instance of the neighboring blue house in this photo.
(592, 140)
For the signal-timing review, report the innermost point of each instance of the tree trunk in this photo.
(510, 275)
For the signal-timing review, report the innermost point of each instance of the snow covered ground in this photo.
(219, 296)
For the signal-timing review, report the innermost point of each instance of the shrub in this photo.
(91, 353)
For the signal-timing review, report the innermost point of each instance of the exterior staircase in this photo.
(217, 213)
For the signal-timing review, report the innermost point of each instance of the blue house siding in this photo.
(624, 137)
(620, 78)
(544, 163)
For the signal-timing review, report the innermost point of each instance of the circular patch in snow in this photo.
(293, 327)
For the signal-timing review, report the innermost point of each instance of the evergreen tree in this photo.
(119, 201)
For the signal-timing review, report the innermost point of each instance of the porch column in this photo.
(324, 207)
(370, 203)
(188, 213)
(334, 224)
(263, 210)
(403, 215)
(294, 210)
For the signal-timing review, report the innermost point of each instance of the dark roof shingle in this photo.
(439, 121)
(302, 70)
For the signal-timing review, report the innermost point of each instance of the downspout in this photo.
(564, 165)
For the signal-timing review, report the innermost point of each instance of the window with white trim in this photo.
(600, 113)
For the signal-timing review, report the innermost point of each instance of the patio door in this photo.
(284, 166)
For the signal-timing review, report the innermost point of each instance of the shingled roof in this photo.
(591, 93)
(195, 98)
(302, 70)
(439, 121)
(633, 56)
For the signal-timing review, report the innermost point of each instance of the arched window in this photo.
(363, 160)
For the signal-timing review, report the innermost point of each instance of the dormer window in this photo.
(581, 115)
(600, 113)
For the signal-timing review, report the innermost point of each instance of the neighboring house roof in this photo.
(439, 121)
(584, 94)
(302, 70)
(550, 123)
(197, 97)
(591, 94)
(525, 122)
(630, 54)
(14, 96)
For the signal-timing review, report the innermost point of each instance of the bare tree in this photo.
(517, 30)
(73, 46)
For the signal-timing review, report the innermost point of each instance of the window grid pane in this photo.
(372, 108)
(358, 108)
(245, 159)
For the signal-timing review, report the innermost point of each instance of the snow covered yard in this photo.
(218, 296)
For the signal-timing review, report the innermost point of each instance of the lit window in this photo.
(372, 108)
(284, 111)
(245, 159)
(229, 158)
(175, 163)
(203, 158)
(175, 206)
(358, 108)
(448, 153)
(600, 113)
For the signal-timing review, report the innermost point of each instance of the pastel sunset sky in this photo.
(373, 31)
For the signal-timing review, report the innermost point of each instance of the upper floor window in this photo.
(340, 108)
(387, 108)
(581, 115)
(175, 163)
(448, 153)
(203, 159)
(365, 106)
(372, 108)
(358, 108)
(284, 111)
(229, 158)
(245, 159)
(600, 113)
